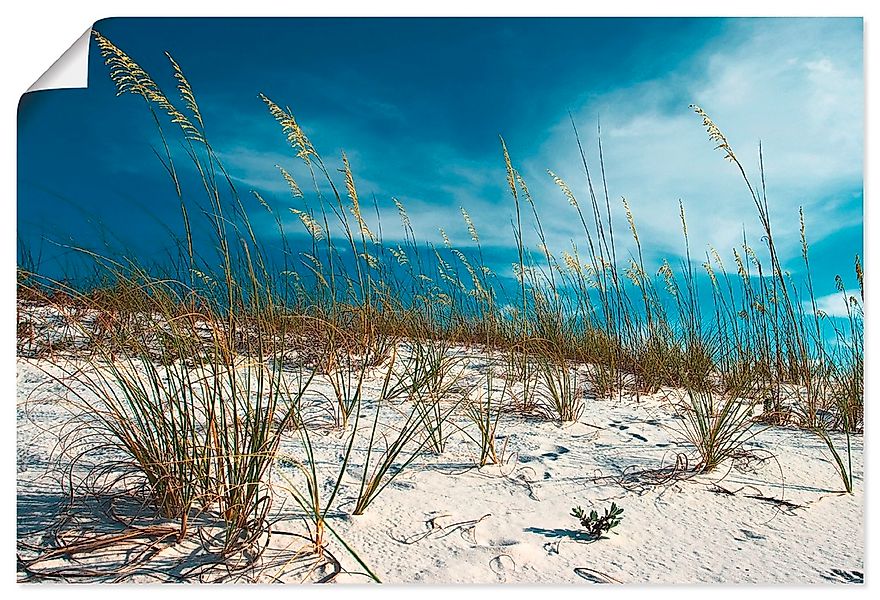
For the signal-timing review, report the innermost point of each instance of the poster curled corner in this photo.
(70, 71)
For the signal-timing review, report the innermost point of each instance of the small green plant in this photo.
(597, 525)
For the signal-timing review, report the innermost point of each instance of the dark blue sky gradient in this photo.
(417, 103)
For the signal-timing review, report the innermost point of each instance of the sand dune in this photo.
(773, 516)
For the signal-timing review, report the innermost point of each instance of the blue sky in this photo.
(418, 106)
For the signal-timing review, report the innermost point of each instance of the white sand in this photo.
(445, 521)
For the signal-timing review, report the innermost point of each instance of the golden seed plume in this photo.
(313, 227)
(400, 254)
(445, 237)
(262, 202)
(740, 265)
(295, 135)
(524, 188)
(404, 218)
(129, 77)
(630, 220)
(511, 177)
(860, 276)
(353, 195)
(571, 262)
(371, 260)
(711, 272)
(295, 191)
(470, 225)
(186, 91)
(803, 232)
(715, 134)
(564, 187)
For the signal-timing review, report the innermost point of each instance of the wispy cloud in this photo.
(833, 305)
(795, 85)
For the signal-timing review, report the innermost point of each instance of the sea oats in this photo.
(445, 238)
(204, 277)
(752, 256)
(740, 265)
(571, 262)
(470, 225)
(355, 202)
(129, 77)
(518, 271)
(716, 257)
(318, 272)
(313, 227)
(186, 91)
(295, 191)
(262, 202)
(525, 189)
(631, 220)
(709, 271)
(564, 187)
(371, 260)
(467, 265)
(399, 254)
(681, 216)
(715, 134)
(511, 175)
(295, 135)
(860, 275)
(668, 277)
(634, 273)
(404, 218)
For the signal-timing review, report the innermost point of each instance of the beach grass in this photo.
(189, 374)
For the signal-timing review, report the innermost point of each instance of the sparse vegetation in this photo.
(198, 377)
(718, 425)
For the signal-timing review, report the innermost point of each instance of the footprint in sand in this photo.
(556, 452)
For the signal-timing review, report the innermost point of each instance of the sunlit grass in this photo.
(197, 377)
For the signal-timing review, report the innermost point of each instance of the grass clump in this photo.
(560, 389)
(717, 425)
(483, 410)
(196, 373)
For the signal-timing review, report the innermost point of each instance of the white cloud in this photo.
(833, 305)
(796, 85)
